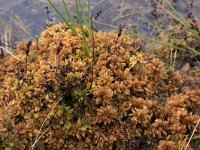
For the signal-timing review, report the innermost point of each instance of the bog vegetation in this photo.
(75, 88)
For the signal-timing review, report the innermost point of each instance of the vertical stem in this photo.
(92, 38)
(93, 57)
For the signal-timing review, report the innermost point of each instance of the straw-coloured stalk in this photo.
(10, 53)
(194, 51)
(177, 16)
(48, 115)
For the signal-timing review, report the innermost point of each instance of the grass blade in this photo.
(164, 43)
(68, 14)
(87, 49)
(180, 19)
(176, 12)
(87, 22)
(174, 38)
(61, 16)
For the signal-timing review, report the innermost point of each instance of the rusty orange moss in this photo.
(133, 102)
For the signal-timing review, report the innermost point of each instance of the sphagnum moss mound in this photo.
(133, 102)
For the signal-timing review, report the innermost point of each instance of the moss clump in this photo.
(129, 101)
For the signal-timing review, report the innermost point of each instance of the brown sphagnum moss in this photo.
(133, 102)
